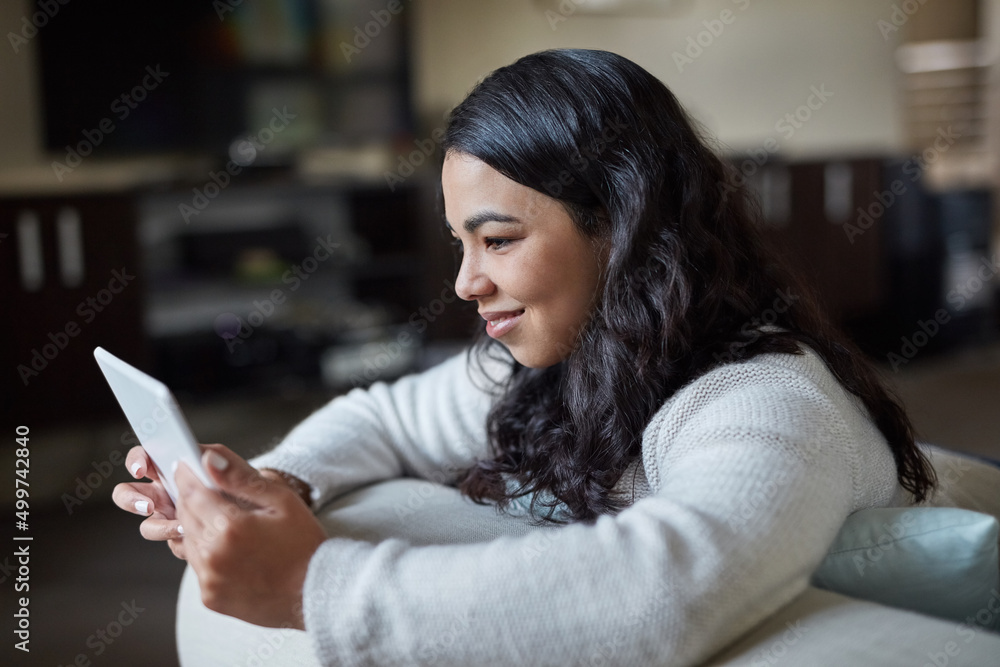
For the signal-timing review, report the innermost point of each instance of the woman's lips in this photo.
(499, 323)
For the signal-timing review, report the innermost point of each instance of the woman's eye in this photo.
(497, 244)
(490, 242)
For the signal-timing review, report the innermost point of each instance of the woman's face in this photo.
(532, 272)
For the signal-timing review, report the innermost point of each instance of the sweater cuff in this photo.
(295, 467)
(326, 600)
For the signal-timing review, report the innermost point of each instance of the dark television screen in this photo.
(197, 75)
(139, 68)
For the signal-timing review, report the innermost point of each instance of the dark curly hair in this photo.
(686, 283)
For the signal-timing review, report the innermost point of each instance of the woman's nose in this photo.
(472, 282)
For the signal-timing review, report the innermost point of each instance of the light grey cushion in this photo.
(939, 561)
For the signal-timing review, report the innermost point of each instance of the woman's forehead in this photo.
(475, 193)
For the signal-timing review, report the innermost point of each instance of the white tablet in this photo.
(154, 416)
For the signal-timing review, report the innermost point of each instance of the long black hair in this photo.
(687, 281)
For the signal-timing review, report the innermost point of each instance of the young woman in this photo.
(647, 376)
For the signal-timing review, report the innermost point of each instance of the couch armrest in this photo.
(817, 628)
(965, 481)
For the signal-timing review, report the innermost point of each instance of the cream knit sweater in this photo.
(746, 476)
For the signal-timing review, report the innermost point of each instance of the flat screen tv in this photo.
(196, 75)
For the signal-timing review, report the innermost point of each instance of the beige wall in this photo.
(758, 69)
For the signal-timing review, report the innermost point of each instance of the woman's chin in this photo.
(533, 358)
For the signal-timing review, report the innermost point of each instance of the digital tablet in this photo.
(154, 416)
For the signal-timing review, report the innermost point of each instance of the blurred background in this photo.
(239, 198)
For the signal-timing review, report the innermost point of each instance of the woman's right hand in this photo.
(151, 500)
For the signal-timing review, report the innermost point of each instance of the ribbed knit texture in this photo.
(747, 474)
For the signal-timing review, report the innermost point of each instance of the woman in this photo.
(647, 375)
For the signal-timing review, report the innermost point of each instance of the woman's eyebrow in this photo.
(472, 223)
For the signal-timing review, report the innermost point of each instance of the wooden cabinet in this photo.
(866, 234)
(828, 236)
(124, 271)
(71, 281)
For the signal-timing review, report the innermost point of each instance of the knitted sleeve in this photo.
(752, 472)
(429, 424)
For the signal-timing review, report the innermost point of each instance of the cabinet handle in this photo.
(70, 234)
(775, 195)
(838, 195)
(29, 245)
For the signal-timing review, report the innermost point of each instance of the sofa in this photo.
(820, 627)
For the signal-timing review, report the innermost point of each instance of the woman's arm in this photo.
(751, 488)
(430, 424)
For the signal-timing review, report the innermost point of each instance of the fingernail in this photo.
(217, 461)
(180, 529)
(136, 467)
(142, 506)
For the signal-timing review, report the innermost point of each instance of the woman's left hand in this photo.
(250, 542)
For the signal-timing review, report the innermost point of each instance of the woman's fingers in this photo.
(138, 462)
(143, 498)
(178, 549)
(158, 528)
(199, 505)
(150, 499)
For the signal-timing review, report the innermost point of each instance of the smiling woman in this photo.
(697, 463)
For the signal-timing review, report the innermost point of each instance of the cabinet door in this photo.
(71, 282)
(818, 239)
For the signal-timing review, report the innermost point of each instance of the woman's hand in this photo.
(250, 542)
(149, 499)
